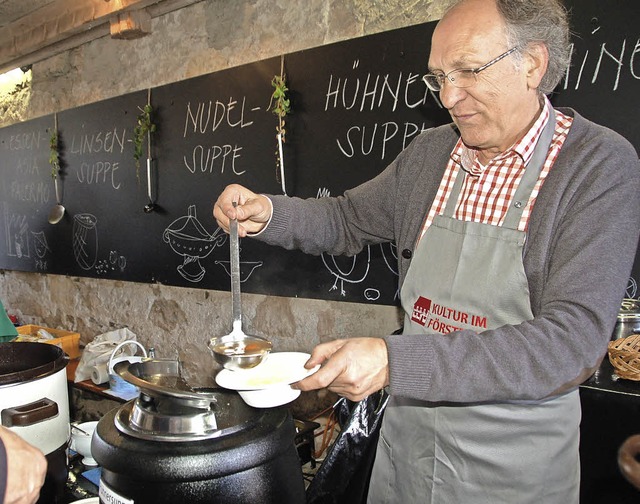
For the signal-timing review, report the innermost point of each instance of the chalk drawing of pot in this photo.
(85, 240)
(187, 237)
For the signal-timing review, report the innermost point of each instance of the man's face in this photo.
(501, 106)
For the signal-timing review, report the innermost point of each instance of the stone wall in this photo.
(206, 37)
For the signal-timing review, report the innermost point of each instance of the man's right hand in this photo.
(26, 469)
(253, 211)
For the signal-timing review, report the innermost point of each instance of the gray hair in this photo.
(534, 21)
(546, 21)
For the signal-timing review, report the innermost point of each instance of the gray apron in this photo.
(469, 275)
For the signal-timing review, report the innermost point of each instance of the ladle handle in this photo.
(74, 426)
(149, 180)
(57, 189)
(235, 273)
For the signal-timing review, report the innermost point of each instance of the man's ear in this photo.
(535, 60)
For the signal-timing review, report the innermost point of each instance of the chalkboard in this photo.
(99, 183)
(212, 130)
(603, 81)
(355, 106)
(26, 190)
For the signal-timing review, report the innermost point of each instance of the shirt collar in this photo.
(467, 158)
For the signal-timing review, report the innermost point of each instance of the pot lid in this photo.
(165, 420)
(153, 419)
(168, 408)
(25, 361)
(162, 379)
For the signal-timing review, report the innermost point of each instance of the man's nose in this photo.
(450, 95)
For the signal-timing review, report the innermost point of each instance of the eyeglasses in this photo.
(462, 77)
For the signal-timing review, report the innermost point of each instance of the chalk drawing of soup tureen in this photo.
(188, 238)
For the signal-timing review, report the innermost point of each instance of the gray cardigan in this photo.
(581, 243)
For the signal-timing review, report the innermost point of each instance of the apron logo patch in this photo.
(443, 319)
(420, 313)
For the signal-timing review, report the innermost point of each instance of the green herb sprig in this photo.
(143, 127)
(54, 155)
(280, 104)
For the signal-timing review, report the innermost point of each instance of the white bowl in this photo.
(81, 442)
(268, 384)
(269, 397)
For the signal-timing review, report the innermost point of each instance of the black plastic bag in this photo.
(343, 476)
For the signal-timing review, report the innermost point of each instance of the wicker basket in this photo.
(624, 354)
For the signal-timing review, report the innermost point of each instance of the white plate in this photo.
(279, 368)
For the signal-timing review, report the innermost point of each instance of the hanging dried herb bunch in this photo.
(280, 104)
(143, 128)
(54, 154)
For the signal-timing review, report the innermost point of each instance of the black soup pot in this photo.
(251, 459)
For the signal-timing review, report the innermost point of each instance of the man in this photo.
(22, 469)
(510, 281)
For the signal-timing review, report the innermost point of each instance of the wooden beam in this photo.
(65, 24)
(66, 44)
(56, 21)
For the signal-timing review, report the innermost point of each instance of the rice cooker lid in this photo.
(26, 361)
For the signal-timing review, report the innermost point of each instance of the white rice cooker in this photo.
(34, 403)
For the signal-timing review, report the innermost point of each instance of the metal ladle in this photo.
(151, 206)
(57, 212)
(238, 350)
(75, 427)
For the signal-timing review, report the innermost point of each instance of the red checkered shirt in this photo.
(488, 190)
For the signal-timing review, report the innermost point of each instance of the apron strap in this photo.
(450, 208)
(531, 174)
